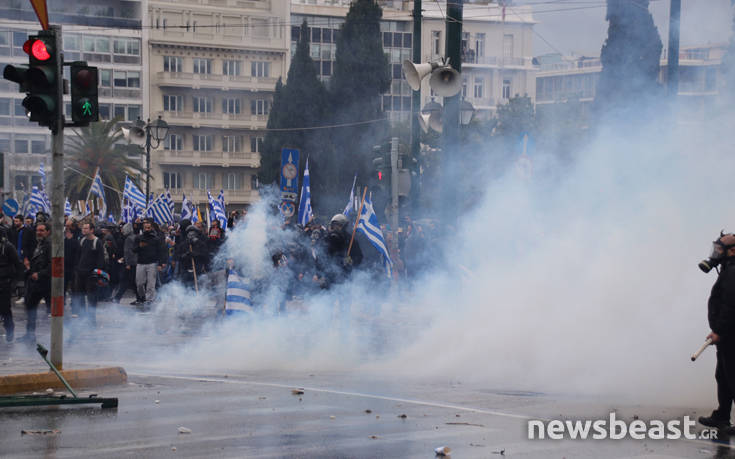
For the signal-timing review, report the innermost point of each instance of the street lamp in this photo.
(144, 133)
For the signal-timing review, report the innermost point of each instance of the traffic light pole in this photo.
(416, 104)
(57, 215)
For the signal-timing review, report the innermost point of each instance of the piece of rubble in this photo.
(368, 411)
(332, 417)
(501, 452)
(443, 451)
(402, 416)
(373, 437)
(156, 402)
(173, 448)
(298, 391)
(262, 398)
(184, 430)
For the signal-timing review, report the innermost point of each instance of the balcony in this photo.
(195, 195)
(215, 120)
(469, 59)
(215, 81)
(208, 158)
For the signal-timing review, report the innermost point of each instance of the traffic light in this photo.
(43, 78)
(40, 79)
(84, 98)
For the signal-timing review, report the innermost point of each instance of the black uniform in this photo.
(91, 257)
(10, 268)
(721, 316)
(337, 244)
(40, 288)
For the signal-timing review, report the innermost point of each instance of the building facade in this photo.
(213, 67)
(108, 37)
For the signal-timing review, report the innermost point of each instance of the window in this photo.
(4, 106)
(203, 180)
(436, 40)
(259, 107)
(507, 45)
(231, 143)
(479, 84)
(506, 89)
(231, 106)
(173, 142)
(203, 104)
(203, 142)
(480, 44)
(21, 146)
(256, 144)
(129, 46)
(231, 68)
(232, 181)
(261, 69)
(202, 65)
(172, 180)
(127, 79)
(105, 76)
(104, 111)
(38, 146)
(71, 42)
(464, 88)
(172, 64)
(172, 103)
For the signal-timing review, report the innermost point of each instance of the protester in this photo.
(151, 259)
(38, 278)
(10, 268)
(91, 257)
(130, 262)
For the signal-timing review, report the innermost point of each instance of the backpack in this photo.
(94, 247)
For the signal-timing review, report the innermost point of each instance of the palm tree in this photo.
(98, 146)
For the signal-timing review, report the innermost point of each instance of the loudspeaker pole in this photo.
(450, 117)
(416, 106)
(57, 215)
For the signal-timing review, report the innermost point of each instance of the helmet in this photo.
(338, 219)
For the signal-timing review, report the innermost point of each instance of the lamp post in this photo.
(155, 130)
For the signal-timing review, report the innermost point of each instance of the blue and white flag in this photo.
(160, 211)
(238, 293)
(170, 201)
(87, 210)
(42, 173)
(217, 212)
(67, 208)
(38, 203)
(369, 226)
(110, 218)
(127, 213)
(351, 204)
(221, 199)
(186, 210)
(305, 211)
(98, 190)
(195, 217)
(133, 194)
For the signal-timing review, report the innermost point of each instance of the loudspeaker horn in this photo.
(135, 135)
(417, 72)
(445, 81)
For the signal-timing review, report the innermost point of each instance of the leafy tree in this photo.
(516, 118)
(361, 76)
(630, 59)
(97, 146)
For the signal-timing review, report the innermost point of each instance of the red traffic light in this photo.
(380, 175)
(39, 50)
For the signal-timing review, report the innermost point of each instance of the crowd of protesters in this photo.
(103, 261)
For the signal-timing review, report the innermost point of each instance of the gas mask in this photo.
(719, 253)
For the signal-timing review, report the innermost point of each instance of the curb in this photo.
(77, 379)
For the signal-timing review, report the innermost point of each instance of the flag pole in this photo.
(89, 193)
(357, 220)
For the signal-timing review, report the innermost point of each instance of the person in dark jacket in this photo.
(130, 262)
(71, 255)
(151, 259)
(721, 317)
(195, 255)
(22, 237)
(10, 267)
(340, 264)
(91, 257)
(38, 278)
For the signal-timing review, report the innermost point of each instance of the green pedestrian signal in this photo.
(84, 100)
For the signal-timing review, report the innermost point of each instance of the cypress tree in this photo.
(630, 59)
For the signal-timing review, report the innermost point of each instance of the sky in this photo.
(579, 26)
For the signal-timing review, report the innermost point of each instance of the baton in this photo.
(701, 349)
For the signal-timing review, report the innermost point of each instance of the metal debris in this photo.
(184, 430)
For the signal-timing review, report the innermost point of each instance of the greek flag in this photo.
(369, 226)
(305, 211)
(42, 173)
(133, 194)
(127, 213)
(67, 208)
(97, 187)
(46, 202)
(110, 218)
(38, 203)
(218, 213)
(160, 211)
(221, 199)
(238, 293)
(351, 203)
(170, 201)
(87, 210)
(186, 211)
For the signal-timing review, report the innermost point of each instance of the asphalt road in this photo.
(339, 414)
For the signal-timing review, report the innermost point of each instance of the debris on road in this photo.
(402, 416)
(298, 391)
(262, 398)
(373, 437)
(332, 417)
(463, 424)
(173, 448)
(156, 402)
(40, 432)
(368, 411)
(184, 430)
(443, 451)
(501, 452)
